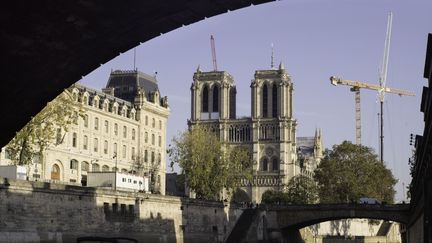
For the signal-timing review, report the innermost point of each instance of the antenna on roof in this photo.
(272, 56)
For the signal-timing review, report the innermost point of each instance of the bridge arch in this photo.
(70, 39)
(301, 216)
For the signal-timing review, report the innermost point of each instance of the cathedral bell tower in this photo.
(213, 96)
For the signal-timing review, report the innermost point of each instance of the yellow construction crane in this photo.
(355, 87)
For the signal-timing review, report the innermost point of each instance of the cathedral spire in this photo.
(281, 66)
(198, 69)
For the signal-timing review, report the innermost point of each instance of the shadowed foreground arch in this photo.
(297, 217)
(47, 45)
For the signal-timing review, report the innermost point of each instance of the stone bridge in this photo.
(296, 216)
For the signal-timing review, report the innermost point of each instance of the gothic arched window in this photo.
(274, 101)
(205, 97)
(275, 165)
(215, 99)
(265, 164)
(265, 101)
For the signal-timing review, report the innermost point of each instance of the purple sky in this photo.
(315, 39)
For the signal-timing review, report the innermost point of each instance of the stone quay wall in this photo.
(44, 212)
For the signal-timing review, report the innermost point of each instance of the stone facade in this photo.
(127, 119)
(269, 134)
(44, 212)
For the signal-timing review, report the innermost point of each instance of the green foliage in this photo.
(274, 197)
(349, 172)
(208, 164)
(40, 132)
(302, 190)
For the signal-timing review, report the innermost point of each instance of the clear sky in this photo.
(315, 39)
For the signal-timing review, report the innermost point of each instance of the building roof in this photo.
(126, 83)
(305, 145)
(428, 61)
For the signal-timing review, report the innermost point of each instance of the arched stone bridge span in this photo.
(48, 45)
(292, 216)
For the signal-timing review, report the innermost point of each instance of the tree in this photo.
(274, 197)
(302, 190)
(39, 133)
(209, 165)
(142, 167)
(349, 172)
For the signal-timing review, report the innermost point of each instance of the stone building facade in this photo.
(127, 120)
(269, 134)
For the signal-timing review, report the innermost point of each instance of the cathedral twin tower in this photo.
(269, 134)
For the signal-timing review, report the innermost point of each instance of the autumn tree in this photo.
(143, 166)
(31, 141)
(349, 172)
(209, 165)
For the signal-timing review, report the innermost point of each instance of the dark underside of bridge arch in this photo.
(297, 217)
(47, 45)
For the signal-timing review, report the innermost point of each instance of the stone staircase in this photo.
(242, 226)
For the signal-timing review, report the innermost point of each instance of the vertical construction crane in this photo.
(381, 88)
(213, 50)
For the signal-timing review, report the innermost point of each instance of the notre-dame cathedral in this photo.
(269, 133)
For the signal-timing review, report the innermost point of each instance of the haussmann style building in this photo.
(269, 133)
(127, 119)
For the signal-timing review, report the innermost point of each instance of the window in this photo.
(133, 134)
(96, 123)
(124, 152)
(146, 120)
(160, 124)
(274, 101)
(205, 99)
(105, 147)
(146, 137)
(86, 120)
(264, 165)
(153, 123)
(95, 167)
(106, 126)
(152, 157)
(85, 100)
(124, 131)
(160, 141)
(115, 129)
(96, 102)
(59, 136)
(85, 142)
(123, 179)
(153, 139)
(115, 110)
(84, 166)
(105, 106)
(159, 158)
(7, 154)
(215, 99)
(74, 164)
(275, 165)
(145, 156)
(133, 153)
(95, 144)
(265, 101)
(74, 139)
(115, 149)
(105, 168)
(75, 117)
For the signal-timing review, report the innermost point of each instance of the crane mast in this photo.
(383, 79)
(213, 50)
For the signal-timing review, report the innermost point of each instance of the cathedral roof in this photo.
(305, 145)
